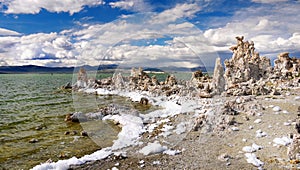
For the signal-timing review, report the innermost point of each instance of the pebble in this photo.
(238, 101)
(276, 109)
(285, 112)
(297, 98)
(67, 133)
(224, 157)
(156, 163)
(257, 121)
(244, 140)
(260, 133)
(235, 129)
(287, 124)
(250, 127)
(259, 114)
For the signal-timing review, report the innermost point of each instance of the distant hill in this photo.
(34, 69)
(42, 69)
(184, 69)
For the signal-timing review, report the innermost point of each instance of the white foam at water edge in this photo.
(132, 127)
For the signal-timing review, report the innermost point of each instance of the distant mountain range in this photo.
(42, 69)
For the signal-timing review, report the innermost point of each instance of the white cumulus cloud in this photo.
(35, 6)
(179, 11)
(269, 1)
(132, 5)
(4, 31)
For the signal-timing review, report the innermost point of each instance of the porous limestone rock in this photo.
(118, 81)
(218, 81)
(286, 67)
(82, 78)
(293, 151)
(245, 64)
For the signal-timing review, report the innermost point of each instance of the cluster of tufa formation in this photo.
(245, 64)
(246, 73)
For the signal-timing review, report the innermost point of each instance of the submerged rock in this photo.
(34, 140)
(67, 86)
(76, 117)
(144, 101)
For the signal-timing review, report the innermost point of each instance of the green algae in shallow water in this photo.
(31, 107)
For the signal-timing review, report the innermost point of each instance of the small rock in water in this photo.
(67, 132)
(74, 132)
(84, 133)
(40, 127)
(34, 140)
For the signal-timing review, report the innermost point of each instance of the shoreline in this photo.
(229, 142)
(240, 113)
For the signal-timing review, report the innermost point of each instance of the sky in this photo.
(146, 33)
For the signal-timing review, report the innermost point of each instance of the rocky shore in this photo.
(245, 116)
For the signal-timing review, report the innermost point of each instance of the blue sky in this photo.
(142, 32)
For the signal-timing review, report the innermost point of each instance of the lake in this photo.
(33, 107)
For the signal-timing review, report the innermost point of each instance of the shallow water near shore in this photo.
(32, 107)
